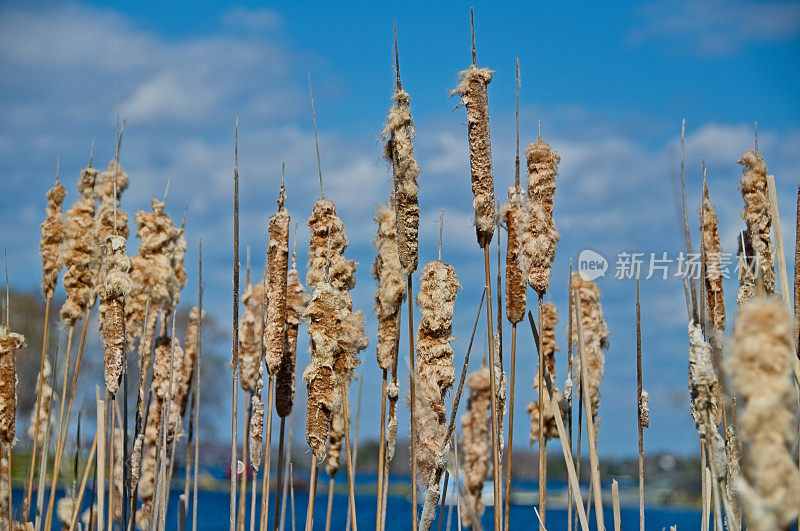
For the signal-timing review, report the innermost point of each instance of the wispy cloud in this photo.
(713, 28)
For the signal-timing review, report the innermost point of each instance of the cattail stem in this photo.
(511, 424)
(615, 502)
(111, 463)
(267, 455)
(26, 505)
(496, 470)
(235, 347)
(358, 424)
(101, 431)
(331, 484)
(243, 484)
(312, 495)
(381, 449)
(10, 514)
(590, 428)
(639, 402)
(542, 438)
(412, 394)
(79, 497)
(279, 475)
(196, 381)
(350, 470)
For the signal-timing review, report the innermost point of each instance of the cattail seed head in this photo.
(10, 342)
(391, 286)
(472, 89)
(759, 368)
(535, 409)
(476, 443)
(53, 235)
(513, 213)
(538, 240)
(399, 135)
(44, 393)
(703, 384)
(757, 215)
(110, 218)
(595, 337)
(116, 284)
(644, 409)
(324, 220)
(434, 364)
(278, 265)
(249, 337)
(296, 303)
(336, 437)
(715, 298)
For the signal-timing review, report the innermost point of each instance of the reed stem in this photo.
(412, 405)
(496, 470)
(279, 475)
(350, 469)
(511, 424)
(639, 387)
(381, 450)
(267, 454)
(542, 439)
(312, 495)
(74, 518)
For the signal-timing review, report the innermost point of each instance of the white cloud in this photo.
(717, 27)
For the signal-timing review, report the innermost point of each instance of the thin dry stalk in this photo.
(76, 505)
(760, 370)
(235, 349)
(643, 411)
(615, 501)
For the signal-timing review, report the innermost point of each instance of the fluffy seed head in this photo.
(595, 337)
(476, 443)
(757, 215)
(53, 235)
(513, 213)
(391, 286)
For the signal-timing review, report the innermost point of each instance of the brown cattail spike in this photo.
(548, 331)
(80, 251)
(715, 298)
(513, 213)
(10, 342)
(760, 370)
(249, 336)
(476, 443)
(327, 231)
(278, 264)
(472, 89)
(53, 235)
(539, 239)
(595, 336)
(399, 134)
(296, 303)
(391, 286)
(116, 286)
(757, 215)
(45, 394)
(434, 365)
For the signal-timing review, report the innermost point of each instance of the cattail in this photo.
(759, 368)
(549, 322)
(757, 215)
(336, 436)
(178, 267)
(110, 219)
(476, 443)
(277, 265)
(64, 509)
(10, 342)
(53, 235)
(713, 252)
(257, 420)
(44, 392)
(538, 240)
(513, 213)
(595, 337)
(391, 286)
(116, 284)
(190, 353)
(434, 364)
(80, 250)
(644, 409)
(89, 514)
(327, 232)
(152, 275)
(3, 486)
(703, 384)
(249, 337)
(147, 485)
(472, 89)
(296, 303)
(399, 135)
(392, 394)
(747, 269)
(321, 313)
(734, 458)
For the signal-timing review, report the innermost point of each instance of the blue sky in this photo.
(610, 83)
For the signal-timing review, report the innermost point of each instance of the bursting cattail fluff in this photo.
(336, 436)
(64, 509)
(703, 384)
(434, 364)
(116, 284)
(513, 213)
(10, 342)
(538, 240)
(595, 337)
(277, 265)
(296, 303)
(4, 484)
(399, 135)
(257, 420)
(80, 249)
(250, 337)
(644, 408)
(391, 286)
(472, 89)
(190, 354)
(757, 215)
(476, 443)
(110, 219)
(319, 377)
(324, 220)
(44, 392)
(715, 298)
(53, 235)
(759, 367)
(535, 410)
